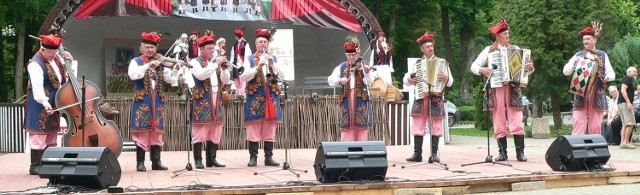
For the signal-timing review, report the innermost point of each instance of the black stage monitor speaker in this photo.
(577, 152)
(351, 161)
(92, 167)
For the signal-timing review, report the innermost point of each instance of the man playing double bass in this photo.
(262, 111)
(428, 110)
(147, 113)
(207, 102)
(46, 76)
(355, 105)
(588, 110)
(505, 102)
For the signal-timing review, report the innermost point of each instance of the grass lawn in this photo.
(565, 130)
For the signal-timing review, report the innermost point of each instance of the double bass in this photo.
(96, 131)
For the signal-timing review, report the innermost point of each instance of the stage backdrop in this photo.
(105, 34)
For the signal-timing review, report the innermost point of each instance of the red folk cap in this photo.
(427, 37)
(206, 40)
(194, 32)
(350, 47)
(238, 32)
(150, 38)
(381, 34)
(498, 28)
(263, 33)
(587, 31)
(51, 41)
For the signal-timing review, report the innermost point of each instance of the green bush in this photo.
(467, 112)
(482, 119)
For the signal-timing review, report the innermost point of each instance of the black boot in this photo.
(519, 142)
(213, 9)
(253, 154)
(36, 156)
(140, 159)
(268, 155)
(212, 149)
(502, 148)
(197, 155)
(434, 149)
(156, 164)
(417, 149)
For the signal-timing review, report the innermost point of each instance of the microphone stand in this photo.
(286, 165)
(188, 114)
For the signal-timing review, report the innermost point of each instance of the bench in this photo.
(316, 82)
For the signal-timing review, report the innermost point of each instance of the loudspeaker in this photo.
(350, 161)
(577, 152)
(92, 167)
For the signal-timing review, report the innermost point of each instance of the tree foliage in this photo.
(549, 28)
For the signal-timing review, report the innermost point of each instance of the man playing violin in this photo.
(147, 113)
(505, 102)
(46, 76)
(428, 109)
(356, 111)
(262, 108)
(588, 110)
(207, 102)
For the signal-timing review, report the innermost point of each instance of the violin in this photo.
(97, 131)
(168, 62)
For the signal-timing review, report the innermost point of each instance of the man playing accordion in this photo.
(427, 112)
(504, 102)
(588, 109)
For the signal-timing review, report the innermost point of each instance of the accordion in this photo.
(507, 65)
(427, 74)
(586, 68)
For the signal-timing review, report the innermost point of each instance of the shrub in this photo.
(466, 112)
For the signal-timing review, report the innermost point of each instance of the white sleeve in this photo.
(170, 76)
(391, 64)
(225, 76)
(481, 61)
(279, 70)
(370, 78)
(36, 77)
(334, 78)
(199, 72)
(247, 51)
(568, 68)
(610, 75)
(405, 79)
(136, 72)
(249, 72)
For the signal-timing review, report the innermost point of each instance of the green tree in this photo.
(549, 28)
(27, 17)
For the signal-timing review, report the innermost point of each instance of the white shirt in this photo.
(610, 75)
(209, 72)
(249, 72)
(137, 72)
(334, 78)
(36, 78)
(408, 75)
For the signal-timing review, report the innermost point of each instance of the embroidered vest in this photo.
(36, 121)
(362, 111)
(257, 89)
(600, 97)
(205, 110)
(147, 112)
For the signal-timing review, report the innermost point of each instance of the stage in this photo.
(237, 178)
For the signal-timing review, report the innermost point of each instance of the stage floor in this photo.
(238, 178)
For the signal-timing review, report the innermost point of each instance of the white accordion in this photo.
(507, 65)
(427, 74)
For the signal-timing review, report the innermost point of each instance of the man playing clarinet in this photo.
(262, 108)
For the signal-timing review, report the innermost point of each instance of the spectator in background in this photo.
(625, 107)
(612, 112)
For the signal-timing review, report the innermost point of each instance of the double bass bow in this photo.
(78, 99)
